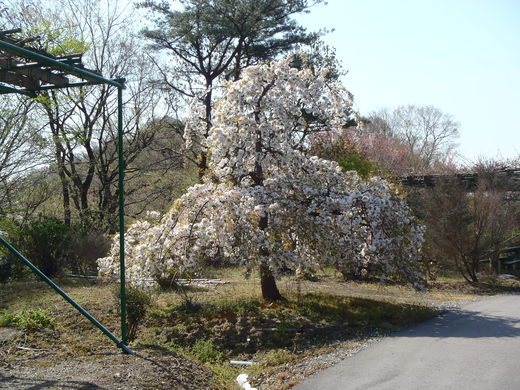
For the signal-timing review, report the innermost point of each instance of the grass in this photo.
(29, 320)
(227, 322)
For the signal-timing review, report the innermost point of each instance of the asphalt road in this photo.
(476, 347)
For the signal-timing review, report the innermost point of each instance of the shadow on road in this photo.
(465, 324)
(14, 382)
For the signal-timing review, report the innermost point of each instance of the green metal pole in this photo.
(121, 193)
(4, 89)
(69, 68)
(42, 276)
(52, 87)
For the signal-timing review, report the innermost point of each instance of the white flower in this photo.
(312, 212)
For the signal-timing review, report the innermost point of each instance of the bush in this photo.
(5, 269)
(85, 248)
(206, 351)
(10, 267)
(52, 246)
(30, 320)
(137, 303)
(277, 357)
(45, 243)
(348, 155)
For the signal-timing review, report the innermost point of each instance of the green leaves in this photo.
(58, 41)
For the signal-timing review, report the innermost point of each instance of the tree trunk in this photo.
(67, 215)
(66, 198)
(471, 268)
(270, 290)
(202, 165)
(495, 262)
(59, 154)
(202, 158)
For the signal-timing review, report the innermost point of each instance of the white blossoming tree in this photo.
(266, 203)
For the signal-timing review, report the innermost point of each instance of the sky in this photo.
(461, 56)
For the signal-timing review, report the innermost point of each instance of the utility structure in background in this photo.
(26, 70)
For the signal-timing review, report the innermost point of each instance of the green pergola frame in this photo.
(39, 74)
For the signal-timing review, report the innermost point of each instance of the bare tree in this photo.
(427, 132)
(82, 122)
(466, 225)
(115, 51)
(21, 146)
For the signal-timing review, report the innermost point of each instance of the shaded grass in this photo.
(359, 311)
(271, 334)
(36, 293)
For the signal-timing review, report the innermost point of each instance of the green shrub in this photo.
(7, 319)
(5, 269)
(349, 156)
(206, 351)
(277, 357)
(44, 242)
(52, 246)
(30, 320)
(355, 161)
(11, 268)
(137, 303)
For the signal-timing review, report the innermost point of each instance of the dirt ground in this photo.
(147, 369)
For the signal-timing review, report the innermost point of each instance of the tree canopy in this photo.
(209, 40)
(265, 203)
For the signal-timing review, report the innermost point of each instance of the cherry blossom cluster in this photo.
(265, 200)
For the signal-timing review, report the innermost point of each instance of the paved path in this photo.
(474, 348)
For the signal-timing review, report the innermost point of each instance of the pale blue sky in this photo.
(462, 56)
